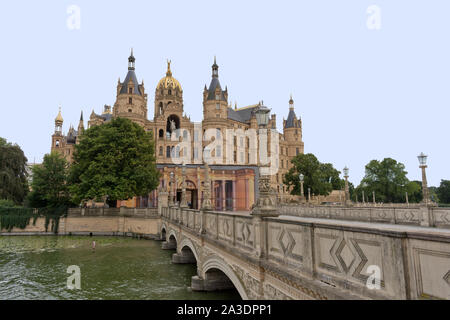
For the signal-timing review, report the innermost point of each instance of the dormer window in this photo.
(217, 97)
(130, 90)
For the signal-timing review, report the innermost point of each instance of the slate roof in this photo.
(130, 75)
(212, 90)
(290, 122)
(242, 115)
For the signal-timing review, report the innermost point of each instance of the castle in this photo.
(235, 142)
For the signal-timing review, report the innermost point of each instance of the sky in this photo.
(370, 79)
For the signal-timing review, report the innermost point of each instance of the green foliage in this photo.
(388, 179)
(49, 185)
(7, 203)
(322, 178)
(19, 217)
(115, 159)
(414, 189)
(443, 191)
(13, 174)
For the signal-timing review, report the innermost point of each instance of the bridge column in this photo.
(185, 256)
(213, 281)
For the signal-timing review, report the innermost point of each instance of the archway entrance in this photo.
(191, 194)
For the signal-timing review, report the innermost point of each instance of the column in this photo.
(224, 195)
(246, 195)
(234, 195)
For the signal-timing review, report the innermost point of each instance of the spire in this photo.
(215, 69)
(131, 61)
(291, 103)
(169, 72)
(81, 124)
(59, 118)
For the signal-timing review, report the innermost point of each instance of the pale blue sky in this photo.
(362, 94)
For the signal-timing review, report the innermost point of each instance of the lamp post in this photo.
(347, 193)
(309, 194)
(301, 177)
(423, 164)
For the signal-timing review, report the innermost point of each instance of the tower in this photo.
(292, 130)
(57, 136)
(131, 99)
(215, 100)
(215, 117)
(168, 95)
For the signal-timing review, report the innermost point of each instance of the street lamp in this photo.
(423, 164)
(262, 116)
(301, 177)
(347, 193)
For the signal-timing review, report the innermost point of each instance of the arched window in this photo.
(168, 152)
(57, 143)
(170, 92)
(160, 108)
(129, 110)
(185, 134)
(160, 151)
(177, 152)
(161, 133)
(217, 133)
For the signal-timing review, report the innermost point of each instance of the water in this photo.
(34, 267)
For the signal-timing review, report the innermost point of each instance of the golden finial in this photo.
(59, 117)
(168, 73)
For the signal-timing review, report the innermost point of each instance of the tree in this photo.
(414, 189)
(49, 185)
(322, 178)
(443, 191)
(387, 178)
(114, 160)
(13, 174)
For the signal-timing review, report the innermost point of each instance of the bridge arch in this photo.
(217, 263)
(186, 242)
(163, 232)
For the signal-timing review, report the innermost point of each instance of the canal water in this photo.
(33, 267)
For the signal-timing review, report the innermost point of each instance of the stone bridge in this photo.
(297, 257)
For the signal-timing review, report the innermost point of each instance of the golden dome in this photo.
(59, 117)
(168, 81)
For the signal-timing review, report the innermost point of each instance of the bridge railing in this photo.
(414, 215)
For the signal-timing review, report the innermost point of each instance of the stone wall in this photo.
(99, 221)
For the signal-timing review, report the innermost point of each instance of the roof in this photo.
(212, 90)
(130, 76)
(243, 114)
(290, 122)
